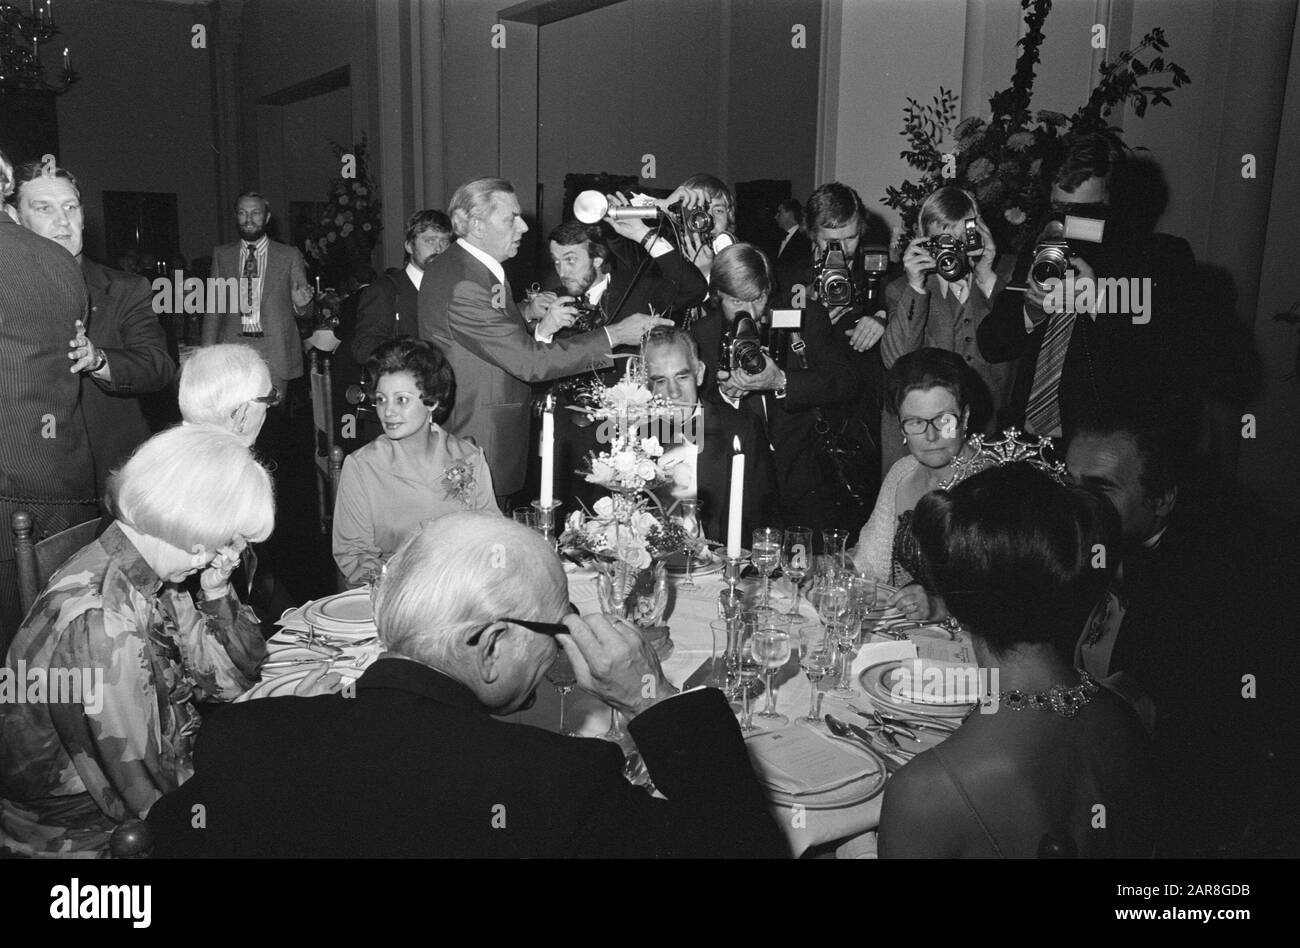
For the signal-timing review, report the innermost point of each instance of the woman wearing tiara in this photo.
(1061, 768)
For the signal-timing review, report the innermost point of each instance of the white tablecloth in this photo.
(690, 613)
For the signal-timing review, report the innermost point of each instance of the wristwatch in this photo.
(101, 360)
(780, 389)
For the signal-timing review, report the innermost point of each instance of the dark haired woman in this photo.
(929, 392)
(415, 471)
(1055, 765)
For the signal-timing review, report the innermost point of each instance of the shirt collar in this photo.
(597, 290)
(133, 566)
(489, 261)
(945, 287)
(415, 273)
(259, 247)
(790, 231)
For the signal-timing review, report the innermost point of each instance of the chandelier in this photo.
(21, 37)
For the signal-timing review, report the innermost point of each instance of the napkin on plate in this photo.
(799, 761)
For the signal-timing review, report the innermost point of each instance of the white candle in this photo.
(737, 500)
(318, 286)
(548, 454)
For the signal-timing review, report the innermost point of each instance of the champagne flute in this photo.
(766, 555)
(816, 664)
(561, 675)
(749, 669)
(796, 551)
(687, 517)
(834, 543)
(846, 642)
(771, 649)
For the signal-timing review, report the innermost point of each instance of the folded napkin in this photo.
(873, 653)
(800, 761)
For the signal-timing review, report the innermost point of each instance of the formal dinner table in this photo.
(846, 817)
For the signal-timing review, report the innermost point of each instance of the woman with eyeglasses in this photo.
(415, 471)
(115, 656)
(929, 392)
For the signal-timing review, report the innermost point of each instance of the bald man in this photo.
(473, 611)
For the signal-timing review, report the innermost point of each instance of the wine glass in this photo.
(526, 516)
(749, 669)
(816, 664)
(771, 647)
(846, 640)
(796, 552)
(688, 517)
(834, 543)
(834, 599)
(615, 732)
(561, 675)
(765, 554)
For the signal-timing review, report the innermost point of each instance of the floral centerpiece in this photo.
(348, 228)
(627, 535)
(999, 159)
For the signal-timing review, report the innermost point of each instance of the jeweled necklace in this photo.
(1067, 702)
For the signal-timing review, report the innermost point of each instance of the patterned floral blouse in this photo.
(122, 658)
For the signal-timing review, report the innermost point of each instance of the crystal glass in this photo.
(834, 543)
(526, 516)
(845, 635)
(687, 516)
(796, 556)
(771, 646)
(766, 556)
(561, 675)
(615, 732)
(749, 669)
(720, 631)
(816, 665)
(834, 600)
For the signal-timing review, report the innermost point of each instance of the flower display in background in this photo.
(348, 228)
(999, 159)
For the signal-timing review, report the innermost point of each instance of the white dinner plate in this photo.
(706, 563)
(351, 608)
(849, 794)
(282, 685)
(878, 684)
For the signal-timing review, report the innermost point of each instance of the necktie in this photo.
(1043, 411)
(251, 323)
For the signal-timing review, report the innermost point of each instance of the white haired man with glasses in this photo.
(415, 761)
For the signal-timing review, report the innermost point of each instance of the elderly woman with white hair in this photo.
(229, 386)
(122, 654)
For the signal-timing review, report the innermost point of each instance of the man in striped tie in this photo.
(1079, 353)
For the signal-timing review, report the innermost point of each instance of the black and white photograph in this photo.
(650, 430)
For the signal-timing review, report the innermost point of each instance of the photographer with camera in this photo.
(1080, 353)
(792, 398)
(945, 294)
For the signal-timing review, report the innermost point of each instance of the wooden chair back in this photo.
(38, 560)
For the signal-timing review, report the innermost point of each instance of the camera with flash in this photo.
(1059, 242)
(952, 254)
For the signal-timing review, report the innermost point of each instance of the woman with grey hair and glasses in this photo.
(229, 386)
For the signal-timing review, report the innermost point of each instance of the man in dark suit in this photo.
(1195, 620)
(389, 307)
(120, 350)
(468, 310)
(710, 429)
(787, 400)
(274, 293)
(414, 761)
(46, 466)
(794, 257)
(1084, 358)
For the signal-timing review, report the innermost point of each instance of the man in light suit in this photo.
(274, 295)
(120, 349)
(468, 310)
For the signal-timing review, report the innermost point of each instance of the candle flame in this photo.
(735, 444)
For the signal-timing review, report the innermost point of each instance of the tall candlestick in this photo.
(67, 60)
(318, 286)
(548, 451)
(737, 500)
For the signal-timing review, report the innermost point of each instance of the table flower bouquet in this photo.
(627, 535)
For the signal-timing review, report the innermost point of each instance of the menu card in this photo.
(800, 761)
